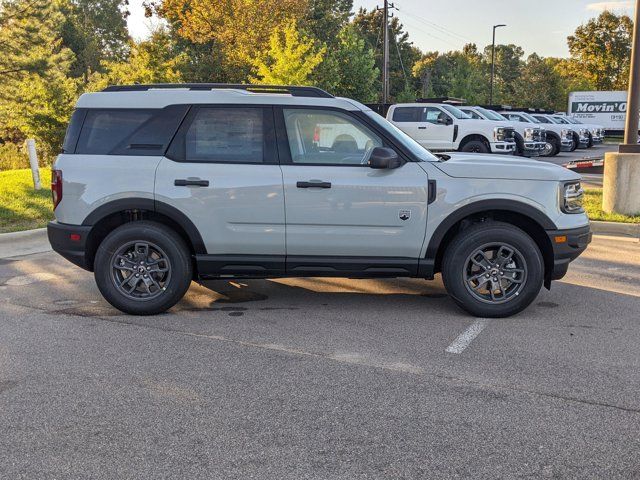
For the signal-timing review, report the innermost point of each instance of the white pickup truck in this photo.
(581, 135)
(559, 137)
(443, 127)
(530, 138)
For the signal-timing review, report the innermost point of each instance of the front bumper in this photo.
(584, 142)
(70, 241)
(567, 245)
(533, 149)
(566, 145)
(503, 147)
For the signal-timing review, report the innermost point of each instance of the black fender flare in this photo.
(484, 206)
(148, 204)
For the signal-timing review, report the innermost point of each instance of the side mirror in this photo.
(445, 121)
(382, 157)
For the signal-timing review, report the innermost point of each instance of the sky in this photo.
(540, 26)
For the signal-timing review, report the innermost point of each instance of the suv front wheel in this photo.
(143, 268)
(493, 270)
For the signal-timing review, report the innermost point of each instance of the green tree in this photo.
(290, 60)
(540, 85)
(326, 18)
(508, 69)
(36, 93)
(602, 47)
(353, 71)
(460, 74)
(402, 53)
(96, 31)
(151, 61)
(238, 29)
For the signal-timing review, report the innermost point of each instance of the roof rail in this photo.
(295, 91)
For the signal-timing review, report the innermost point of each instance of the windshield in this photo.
(409, 143)
(574, 121)
(456, 112)
(530, 118)
(560, 120)
(490, 114)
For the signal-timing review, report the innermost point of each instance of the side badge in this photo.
(404, 215)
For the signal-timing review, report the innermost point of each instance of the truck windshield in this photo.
(409, 143)
(530, 118)
(490, 114)
(456, 112)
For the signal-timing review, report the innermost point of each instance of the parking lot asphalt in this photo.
(320, 378)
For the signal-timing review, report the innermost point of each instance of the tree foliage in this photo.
(290, 59)
(602, 47)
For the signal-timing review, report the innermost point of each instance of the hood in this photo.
(474, 165)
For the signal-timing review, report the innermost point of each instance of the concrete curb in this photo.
(616, 229)
(16, 244)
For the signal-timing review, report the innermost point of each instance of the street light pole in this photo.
(493, 61)
(621, 185)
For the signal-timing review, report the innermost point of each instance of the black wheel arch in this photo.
(529, 219)
(476, 137)
(118, 212)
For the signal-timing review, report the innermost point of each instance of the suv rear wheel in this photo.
(493, 270)
(143, 268)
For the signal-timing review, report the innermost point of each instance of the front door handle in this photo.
(314, 184)
(190, 182)
(422, 128)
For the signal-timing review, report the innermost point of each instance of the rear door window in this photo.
(406, 114)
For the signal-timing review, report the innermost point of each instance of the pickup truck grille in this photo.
(509, 133)
(539, 135)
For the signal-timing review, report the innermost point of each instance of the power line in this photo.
(439, 27)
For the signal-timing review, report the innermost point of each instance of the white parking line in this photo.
(466, 337)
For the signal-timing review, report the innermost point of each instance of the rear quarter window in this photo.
(104, 130)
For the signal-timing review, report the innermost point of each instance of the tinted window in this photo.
(103, 130)
(328, 138)
(153, 136)
(473, 114)
(226, 134)
(73, 131)
(406, 114)
(543, 119)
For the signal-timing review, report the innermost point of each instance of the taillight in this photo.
(56, 187)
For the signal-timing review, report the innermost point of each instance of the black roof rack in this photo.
(449, 100)
(295, 91)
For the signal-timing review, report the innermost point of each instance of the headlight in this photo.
(583, 132)
(566, 133)
(572, 196)
(498, 134)
(528, 134)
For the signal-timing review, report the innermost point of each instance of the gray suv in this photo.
(159, 185)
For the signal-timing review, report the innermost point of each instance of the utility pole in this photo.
(493, 61)
(621, 186)
(385, 55)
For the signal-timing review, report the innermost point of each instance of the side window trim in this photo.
(177, 151)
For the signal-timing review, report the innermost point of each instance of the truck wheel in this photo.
(493, 270)
(552, 148)
(590, 144)
(143, 268)
(576, 141)
(474, 146)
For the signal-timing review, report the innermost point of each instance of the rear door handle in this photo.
(190, 182)
(422, 128)
(313, 184)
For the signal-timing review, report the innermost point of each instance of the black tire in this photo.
(475, 146)
(459, 257)
(576, 141)
(555, 147)
(165, 250)
(519, 146)
(590, 144)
